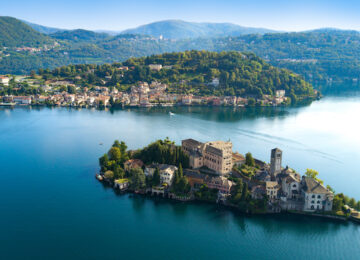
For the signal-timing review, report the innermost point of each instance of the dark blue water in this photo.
(51, 206)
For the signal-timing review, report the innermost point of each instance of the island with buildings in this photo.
(212, 172)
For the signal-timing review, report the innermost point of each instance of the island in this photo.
(189, 78)
(212, 172)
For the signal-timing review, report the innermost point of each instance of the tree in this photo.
(313, 174)
(119, 172)
(103, 161)
(249, 160)
(115, 154)
(109, 175)
(156, 177)
(71, 89)
(251, 102)
(137, 178)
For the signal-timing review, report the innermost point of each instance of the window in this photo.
(312, 202)
(313, 196)
(319, 196)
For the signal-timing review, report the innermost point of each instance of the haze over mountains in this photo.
(322, 55)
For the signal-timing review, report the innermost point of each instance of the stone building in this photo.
(316, 196)
(275, 162)
(216, 155)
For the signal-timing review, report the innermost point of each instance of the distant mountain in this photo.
(79, 35)
(177, 29)
(15, 33)
(42, 28)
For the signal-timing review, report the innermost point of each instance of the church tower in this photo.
(275, 162)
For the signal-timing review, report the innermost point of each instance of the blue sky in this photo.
(290, 15)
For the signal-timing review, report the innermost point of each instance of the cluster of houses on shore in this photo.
(213, 163)
(140, 95)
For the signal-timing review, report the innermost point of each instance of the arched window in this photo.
(319, 196)
(313, 196)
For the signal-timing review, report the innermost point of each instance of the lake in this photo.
(52, 207)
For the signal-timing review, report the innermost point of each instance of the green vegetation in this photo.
(240, 74)
(313, 174)
(164, 152)
(181, 185)
(319, 56)
(14, 33)
(206, 194)
(240, 197)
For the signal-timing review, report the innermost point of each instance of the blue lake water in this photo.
(51, 206)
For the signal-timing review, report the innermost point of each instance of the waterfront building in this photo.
(275, 162)
(149, 170)
(280, 93)
(121, 184)
(4, 80)
(220, 183)
(290, 185)
(133, 163)
(22, 100)
(167, 173)
(194, 178)
(316, 196)
(216, 155)
(272, 188)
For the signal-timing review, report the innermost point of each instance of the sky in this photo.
(290, 15)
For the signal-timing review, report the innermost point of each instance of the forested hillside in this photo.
(240, 74)
(320, 56)
(14, 33)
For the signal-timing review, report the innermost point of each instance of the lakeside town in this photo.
(213, 172)
(68, 94)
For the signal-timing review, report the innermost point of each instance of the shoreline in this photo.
(231, 208)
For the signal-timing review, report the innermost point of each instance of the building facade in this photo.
(316, 196)
(216, 155)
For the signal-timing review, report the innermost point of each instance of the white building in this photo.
(316, 196)
(22, 100)
(4, 80)
(155, 67)
(167, 173)
(215, 82)
(280, 93)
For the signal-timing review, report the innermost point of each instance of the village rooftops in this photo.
(313, 186)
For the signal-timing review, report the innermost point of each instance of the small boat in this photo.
(99, 177)
(171, 113)
(100, 143)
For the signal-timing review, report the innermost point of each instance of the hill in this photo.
(240, 74)
(79, 35)
(14, 33)
(320, 56)
(177, 29)
(43, 29)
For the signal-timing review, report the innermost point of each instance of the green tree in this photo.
(313, 174)
(251, 102)
(137, 179)
(249, 160)
(103, 161)
(71, 89)
(109, 175)
(156, 177)
(115, 154)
